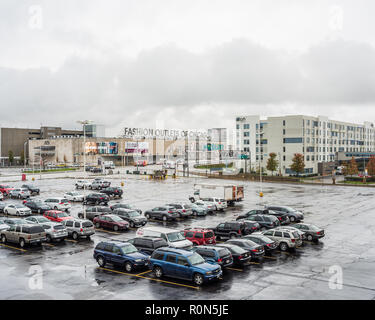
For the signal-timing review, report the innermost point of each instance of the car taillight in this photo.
(239, 231)
(318, 232)
(220, 260)
(29, 237)
(254, 250)
(219, 202)
(184, 210)
(81, 230)
(170, 211)
(268, 244)
(253, 228)
(240, 257)
(293, 240)
(279, 218)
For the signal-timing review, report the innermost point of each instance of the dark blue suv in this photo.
(123, 254)
(183, 264)
(213, 254)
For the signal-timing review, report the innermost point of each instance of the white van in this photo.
(175, 238)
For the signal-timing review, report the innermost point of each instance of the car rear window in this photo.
(208, 235)
(223, 252)
(160, 243)
(87, 224)
(34, 229)
(58, 227)
(295, 234)
(64, 200)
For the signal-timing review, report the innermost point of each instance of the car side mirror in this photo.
(186, 264)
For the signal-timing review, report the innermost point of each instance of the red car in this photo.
(57, 216)
(5, 189)
(200, 236)
(111, 221)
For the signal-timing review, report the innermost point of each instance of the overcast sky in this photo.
(184, 64)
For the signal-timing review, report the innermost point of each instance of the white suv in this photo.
(220, 204)
(58, 203)
(80, 184)
(286, 238)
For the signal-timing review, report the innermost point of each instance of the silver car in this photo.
(78, 228)
(17, 210)
(54, 231)
(20, 193)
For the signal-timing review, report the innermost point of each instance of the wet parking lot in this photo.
(346, 213)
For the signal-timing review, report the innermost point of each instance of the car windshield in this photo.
(314, 228)
(237, 249)
(116, 218)
(87, 224)
(175, 236)
(133, 214)
(19, 206)
(74, 193)
(264, 239)
(223, 252)
(290, 209)
(62, 215)
(195, 259)
(127, 249)
(42, 219)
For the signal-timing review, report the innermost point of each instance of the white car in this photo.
(20, 193)
(74, 196)
(61, 204)
(17, 210)
(300, 232)
(220, 204)
(209, 206)
(1, 196)
(80, 184)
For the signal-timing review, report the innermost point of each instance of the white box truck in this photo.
(230, 193)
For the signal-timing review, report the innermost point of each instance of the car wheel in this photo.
(283, 246)
(165, 218)
(292, 219)
(131, 224)
(115, 228)
(101, 261)
(233, 236)
(147, 216)
(39, 211)
(6, 211)
(309, 237)
(158, 272)
(192, 200)
(80, 216)
(75, 235)
(22, 243)
(97, 225)
(128, 267)
(19, 196)
(198, 279)
(48, 238)
(3, 238)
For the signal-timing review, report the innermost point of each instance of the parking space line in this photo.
(254, 262)
(143, 272)
(158, 280)
(70, 240)
(102, 230)
(48, 244)
(4, 245)
(267, 257)
(235, 269)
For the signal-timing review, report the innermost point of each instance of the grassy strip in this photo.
(51, 170)
(216, 166)
(356, 182)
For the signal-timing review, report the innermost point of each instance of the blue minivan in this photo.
(183, 264)
(120, 253)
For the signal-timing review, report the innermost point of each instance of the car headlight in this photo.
(208, 273)
(138, 260)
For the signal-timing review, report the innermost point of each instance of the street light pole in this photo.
(24, 155)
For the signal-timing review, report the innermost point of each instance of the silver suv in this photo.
(285, 238)
(20, 193)
(24, 234)
(54, 231)
(99, 184)
(78, 228)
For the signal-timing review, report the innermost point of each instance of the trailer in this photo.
(230, 193)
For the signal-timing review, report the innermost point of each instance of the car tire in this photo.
(6, 212)
(39, 211)
(19, 196)
(292, 219)
(147, 216)
(198, 279)
(75, 235)
(22, 242)
(165, 218)
(309, 237)
(101, 261)
(48, 238)
(194, 213)
(233, 236)
(131, 224)
(128, 266)
(97, 225)
(3, 238)
(80, 216)
(192, 200)
(158, 272)
(115, 228)
(283, 246)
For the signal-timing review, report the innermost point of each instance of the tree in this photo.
(352, 167)
(371, 166)
(345, 168)
(298, 163)
(272, 163)
(10, 156)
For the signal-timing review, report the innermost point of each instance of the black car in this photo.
(36, 206)
(265, 221)
(283, 217)
(231, 229)
(215, 254)
(96, 198)
(124, 206)
(241, 257)
(312, 232)
(93, 212)
(251, 226)
(33, 190)
(293, 214)
(148, 245)
(112, 192)
(164, 213)
(268, 244)
(256, 250)
(134, 218)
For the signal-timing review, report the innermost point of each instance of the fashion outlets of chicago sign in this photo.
(163, 133)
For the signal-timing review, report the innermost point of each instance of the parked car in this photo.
(3, 225)
(113, 192)
(24, 234)
(111, 221)
(61, 204)
(265, 221)
(37, 219)
(209, 206)
(134, 218)
(287, 239)
(54, 231)
(268, 244)
(15, 221)
(252, 226)
(32, 189)
(256, 250)
(99, 185)
(293, 214)
(57, 216)
(241, 257)
(78, 228)
(125, 206)
(200, 236)
(220, 204)
(174, 238)
(164, 213)
(199, 210)
(283, 217)
(19, 193)
(300, 232)
(92, 212)
(122, 254)
(96, 199)
(313, 233)
(36, 206)
(74, 196)
(82, 184)
(17, 210)
(231, 229)
(183, 264)
(183, 209)
(148, 245)
(214, 254)
(5, 189)
(96, 170)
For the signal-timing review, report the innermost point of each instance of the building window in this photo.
(283, 122)
(246, 126)
(293, 140)
(246, 142)
(246, 134)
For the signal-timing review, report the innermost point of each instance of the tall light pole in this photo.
(84, 123)
(24, 155)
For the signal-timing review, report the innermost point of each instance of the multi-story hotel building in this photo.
(319, 139)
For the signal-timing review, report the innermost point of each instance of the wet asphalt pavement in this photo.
(346, 213)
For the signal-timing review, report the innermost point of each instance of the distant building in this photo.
(95, 130)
